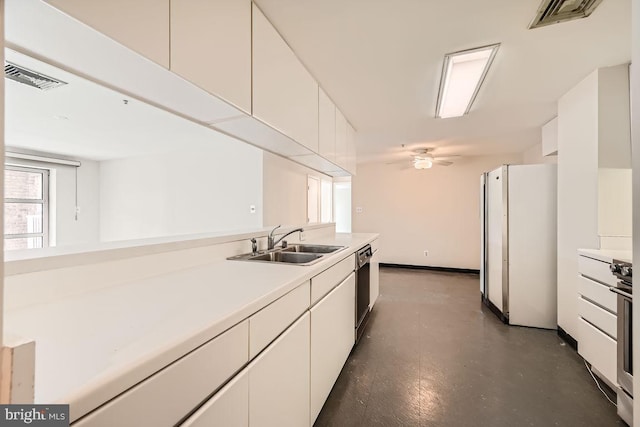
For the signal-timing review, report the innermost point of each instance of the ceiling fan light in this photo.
(462, 75)
(422, 163)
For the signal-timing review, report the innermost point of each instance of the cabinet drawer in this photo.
(598, 317)
(227, 408)
(167, 396)
(598, 293)
(331, 277)
(596, 270)
(598, 349)
(268, 323)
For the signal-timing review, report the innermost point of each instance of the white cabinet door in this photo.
(341, 139)
(327, 127)
(211, 47)
(279, 380)
(332, 337)
(268, 323)
(141, 25)
(374, 279)
(227, 408)
(285, 95)
(351, 149)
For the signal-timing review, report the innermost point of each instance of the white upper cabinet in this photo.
(285, 95)
(351, 149)
(341, 139)
(211, 47)
(141, 25)
(327, 127)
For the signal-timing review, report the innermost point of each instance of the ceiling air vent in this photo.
(30, 78)
(555, 11)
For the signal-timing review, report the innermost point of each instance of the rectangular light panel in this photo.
(462, 74)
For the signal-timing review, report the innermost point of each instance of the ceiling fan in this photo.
(423, 158)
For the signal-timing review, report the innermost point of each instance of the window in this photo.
(326, 201)
(26, 207)
(313, 199)
(342, 206)
(319, 200)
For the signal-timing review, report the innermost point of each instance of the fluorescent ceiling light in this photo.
(462, 74)
(422, 162)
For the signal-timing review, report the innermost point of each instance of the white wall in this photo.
(196, 189)
(533, 156)
(285, 190)
(614, 211)
(436, 209)
(86, 229)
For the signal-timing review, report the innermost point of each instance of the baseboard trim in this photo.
(428, 267)
(495, 310)
(566, 337)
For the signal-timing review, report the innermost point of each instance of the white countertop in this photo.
(607, 255)
(91, 347)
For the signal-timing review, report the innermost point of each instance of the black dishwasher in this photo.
(363, 275)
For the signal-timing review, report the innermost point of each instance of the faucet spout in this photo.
(272, 242)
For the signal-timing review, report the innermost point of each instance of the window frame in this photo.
(44, 201)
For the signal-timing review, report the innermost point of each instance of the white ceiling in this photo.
(88, 121)
(380, 61)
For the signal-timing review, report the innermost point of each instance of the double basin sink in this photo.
(299, 254)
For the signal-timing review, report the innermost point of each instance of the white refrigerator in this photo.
(518, 216)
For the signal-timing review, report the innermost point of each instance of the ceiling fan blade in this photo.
(442, 162)
(421, 151)
(397, 162)
(446, 157)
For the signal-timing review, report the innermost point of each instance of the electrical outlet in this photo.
(358, 209)
(301, 235)
(426, 253)
(252, 209)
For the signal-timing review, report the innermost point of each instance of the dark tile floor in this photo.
(432, 355)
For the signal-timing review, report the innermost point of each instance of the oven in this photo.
(624, 291)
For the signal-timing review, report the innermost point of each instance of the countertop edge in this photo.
(607, 255)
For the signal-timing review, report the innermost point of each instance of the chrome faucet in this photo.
(271, 242)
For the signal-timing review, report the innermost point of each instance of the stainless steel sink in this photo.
(288, 257)
(298, 254)
(313, 249)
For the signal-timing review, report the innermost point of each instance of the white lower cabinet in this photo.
(597, 321)
(279, 380)
(227, 408)
(332, 337)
